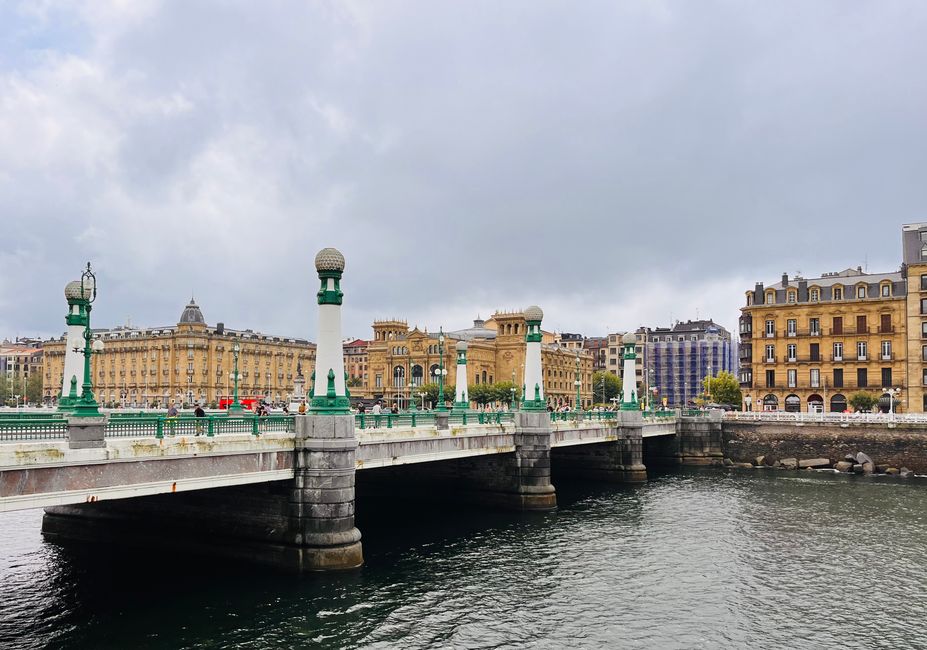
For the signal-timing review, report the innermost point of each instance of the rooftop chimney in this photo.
(785, 279)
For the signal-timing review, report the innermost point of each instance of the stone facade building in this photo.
(184, 363)
(401, 360)
(809, 344)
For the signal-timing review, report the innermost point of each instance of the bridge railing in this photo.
(33, 428)
(481, 417)
(835, 418)
(211, 425)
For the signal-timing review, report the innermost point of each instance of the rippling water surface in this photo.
(689, 560)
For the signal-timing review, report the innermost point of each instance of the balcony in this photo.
(887, 330)
(770, 335)
(769, 360)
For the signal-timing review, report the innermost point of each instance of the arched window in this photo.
(770, 403)
(793, 404)
(484, 376)
(399, 377)
(516, 328)
(815, 404)
(417, 374)
(433, 372)
(838, 403)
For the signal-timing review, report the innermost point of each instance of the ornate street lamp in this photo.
(441, 371)
(87, 406)
(235, 408)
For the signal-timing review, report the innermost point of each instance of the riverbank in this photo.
(887, 446)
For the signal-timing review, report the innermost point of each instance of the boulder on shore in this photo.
(744, 465)
(844, 466)
(814, 463)
(862, 459)
(789, 463)
(857, 469)
(759, 461)
(851, 458)
(728, 462)
(868, 468)
(904, 472)
(892, 471)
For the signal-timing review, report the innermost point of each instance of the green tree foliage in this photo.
(863, 401)
(724, 388)
(605, 386)
(33, 389)
(354, 382)
(503, 392)
(431, 397)
(482, 394)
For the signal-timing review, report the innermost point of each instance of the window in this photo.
(770, 328)
(770, 353)
(838, 378)
(924, 381)
(838, 325)
(815, 352)
(791, 348)
(886, 350)
(749, 299)
(886, 290)
(770, 297)
(924, 283)
(815, 378)
(793, 378)
(771, 378)
(838, 293)
(886, 377)
(862, 378)
(924, 305)
(791, 297)
(815, 295)
(924, 330)
(378, 380)
(861, 350)
(815, 327)
(612, 361)
(838, 351)
(792, 327)
(861, 292)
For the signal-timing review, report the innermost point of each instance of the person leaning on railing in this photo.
(172, 416)
(200, 416)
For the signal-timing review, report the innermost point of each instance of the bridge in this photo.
(282, 490)
(282, 469)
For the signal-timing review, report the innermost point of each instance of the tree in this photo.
(862, 401)
(431, 391)
(724, 388)
(354, 382)
(482, 394)
(605, 386)
(503, 392)
(34, 388)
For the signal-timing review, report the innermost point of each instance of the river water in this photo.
(696, 559)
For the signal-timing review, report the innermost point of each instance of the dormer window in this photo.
(815, 295)
(749, 299)
(838, 293)
(886, 290)
(792, 297)
(770, 297)
(861, 292)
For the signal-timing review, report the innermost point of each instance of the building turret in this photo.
(329, 393)
(533, 399)
(461, 401)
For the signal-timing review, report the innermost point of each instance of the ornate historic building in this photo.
(809, 344)
(187, 362)
(401, 360)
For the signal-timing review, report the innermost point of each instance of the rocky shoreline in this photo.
(858, 463)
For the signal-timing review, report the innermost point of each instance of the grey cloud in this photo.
(619, 162)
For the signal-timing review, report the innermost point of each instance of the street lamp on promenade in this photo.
(235, 408)
(891, 392)
(86, 406)
(441, 372)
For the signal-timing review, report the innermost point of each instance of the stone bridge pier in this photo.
(619, 460)
(697, 442)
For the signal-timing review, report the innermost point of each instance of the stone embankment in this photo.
(859, 463)
(893, 446)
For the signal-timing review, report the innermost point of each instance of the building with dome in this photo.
(189, 362)
(402, 359)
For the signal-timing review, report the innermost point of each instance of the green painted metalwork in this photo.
(33, 429)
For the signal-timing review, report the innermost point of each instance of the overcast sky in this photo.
(616, 163)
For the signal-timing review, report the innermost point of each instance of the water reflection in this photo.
(694, 559)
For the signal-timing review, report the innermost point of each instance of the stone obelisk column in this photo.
(461, 402)
(533, 488)
(322, 500)
(630, 444)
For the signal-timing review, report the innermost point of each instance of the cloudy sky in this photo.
(617, 163)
